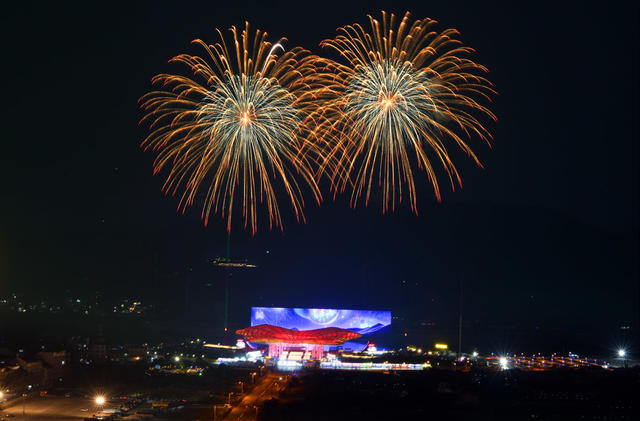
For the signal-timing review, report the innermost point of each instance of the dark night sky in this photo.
(546, 233)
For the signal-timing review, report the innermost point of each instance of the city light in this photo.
(253, 356)
(622, 353)
(100, 400)
(223, 360)
(504, 363)
(475, 354)
(1, 394)
(288, 365)
(442, 346)
(220, 346)
(370, 366)
(176, 359)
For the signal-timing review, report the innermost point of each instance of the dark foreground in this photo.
(446, 395)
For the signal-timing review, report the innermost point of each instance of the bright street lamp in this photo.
(504, 363)
(100, 400)
(622, 353)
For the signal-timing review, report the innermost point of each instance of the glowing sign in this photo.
(442, 346)
(220, 346)
(360, 321)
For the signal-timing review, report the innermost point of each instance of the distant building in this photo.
(98, 353)
(136, 351)
(8, 368)
(33, 367)
(45, 367)
(56, 364)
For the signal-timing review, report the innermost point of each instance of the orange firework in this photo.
(405, 95)
(236, 128)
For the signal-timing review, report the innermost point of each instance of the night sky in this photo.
(545, 235)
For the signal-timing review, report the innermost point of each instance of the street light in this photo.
(622, 353)
(1, 394)
(100, 400)
(504, 363)
(215, 410)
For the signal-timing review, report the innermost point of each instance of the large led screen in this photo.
(360, 321)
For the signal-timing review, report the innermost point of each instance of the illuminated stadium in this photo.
(297, 334)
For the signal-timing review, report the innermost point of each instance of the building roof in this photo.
(271, 333)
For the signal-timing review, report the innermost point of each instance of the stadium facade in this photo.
(307, 334)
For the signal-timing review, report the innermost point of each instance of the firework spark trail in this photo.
(237, 131)
(405, 91)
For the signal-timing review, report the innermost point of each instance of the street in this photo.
(268, 388)
(63, 408)
(52, 408)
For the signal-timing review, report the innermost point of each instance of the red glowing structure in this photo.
(270, 334)
(309, 343)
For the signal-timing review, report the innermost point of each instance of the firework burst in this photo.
(405, 95)
(236, 129)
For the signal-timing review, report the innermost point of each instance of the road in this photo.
(52, 408)
(58, 408)
(269, 387)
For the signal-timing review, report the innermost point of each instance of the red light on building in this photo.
(271, 334)
(304, 344)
